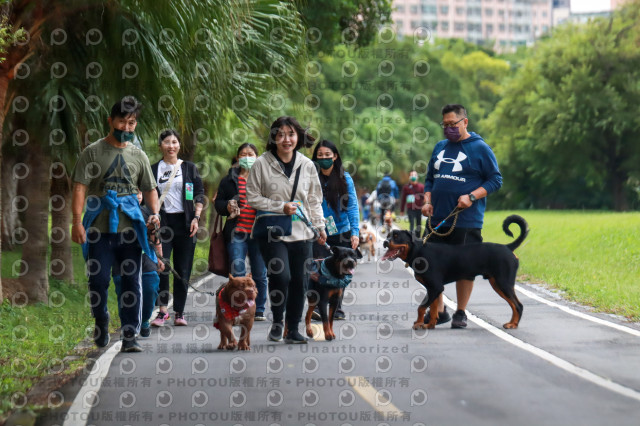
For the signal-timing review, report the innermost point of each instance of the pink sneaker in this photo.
(160, 319)
(179, 319)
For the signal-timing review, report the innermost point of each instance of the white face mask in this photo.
(246, 162)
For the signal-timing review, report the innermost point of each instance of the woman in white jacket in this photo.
(269, 188)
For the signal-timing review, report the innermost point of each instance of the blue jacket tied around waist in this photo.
(129, 206)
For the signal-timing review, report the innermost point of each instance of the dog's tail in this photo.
(524, 230)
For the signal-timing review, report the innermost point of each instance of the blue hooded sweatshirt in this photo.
(458, 168)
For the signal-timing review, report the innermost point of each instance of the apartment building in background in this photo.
(500, 24)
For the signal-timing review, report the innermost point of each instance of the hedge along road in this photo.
(563, 365)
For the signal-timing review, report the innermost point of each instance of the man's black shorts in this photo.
(459, 236)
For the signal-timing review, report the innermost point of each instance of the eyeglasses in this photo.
(444, 125)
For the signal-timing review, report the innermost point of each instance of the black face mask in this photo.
(122, 136)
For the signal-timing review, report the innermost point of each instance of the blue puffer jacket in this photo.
(347, 220)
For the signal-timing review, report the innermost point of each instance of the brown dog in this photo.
(367, 242)
(236, 305)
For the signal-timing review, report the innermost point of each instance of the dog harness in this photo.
(229, 312)
(327, 279)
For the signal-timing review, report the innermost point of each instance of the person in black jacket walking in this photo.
(231, 201)
(182, 199)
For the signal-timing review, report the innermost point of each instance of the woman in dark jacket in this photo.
(182, 195)
(231, 201)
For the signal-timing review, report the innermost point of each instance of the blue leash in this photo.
(307, 222)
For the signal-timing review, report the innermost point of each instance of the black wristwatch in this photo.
(472, 198)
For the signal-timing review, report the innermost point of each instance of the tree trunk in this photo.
(9, 187)
(4, 85)
(617, 178)
(620, 200)
(61, 260)
(34, 280)
(189, 147)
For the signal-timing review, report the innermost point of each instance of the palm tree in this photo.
(242, 51)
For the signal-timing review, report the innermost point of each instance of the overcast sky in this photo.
(590, 5)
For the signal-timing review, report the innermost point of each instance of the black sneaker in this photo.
(101, 333)
(145, 331)
(259, 316)
(276, 331)
(130, 344)
(339, 315)
(459, 319)
(443, 317)
(294, 337)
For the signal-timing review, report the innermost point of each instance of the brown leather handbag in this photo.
(218, 256)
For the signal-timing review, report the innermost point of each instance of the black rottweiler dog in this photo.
(438, 264)
(328, 280)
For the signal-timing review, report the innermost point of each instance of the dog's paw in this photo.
(243, 346)
(309, 331)
(421, 326)
(232, 346)
(510, 326)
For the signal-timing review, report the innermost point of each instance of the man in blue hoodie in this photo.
(462, 171)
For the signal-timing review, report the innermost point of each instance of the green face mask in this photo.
(414, 178)
(246, 162)
(122, 136)
(325, 163)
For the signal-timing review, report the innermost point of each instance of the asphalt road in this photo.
(556, 369)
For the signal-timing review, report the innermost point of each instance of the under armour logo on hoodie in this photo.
(457, 166)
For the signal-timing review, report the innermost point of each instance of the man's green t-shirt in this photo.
(104, 167)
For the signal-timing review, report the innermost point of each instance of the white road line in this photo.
(547, 356)
(371, 395)
(78, 413)
(578, 314)
(553, 359)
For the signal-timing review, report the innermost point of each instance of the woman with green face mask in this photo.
(231, 201)
(339, 203)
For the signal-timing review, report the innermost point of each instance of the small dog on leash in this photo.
(367, 242)
(236, 305)
(389, 217)
(332, 275)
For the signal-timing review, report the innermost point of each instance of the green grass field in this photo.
(593, 257)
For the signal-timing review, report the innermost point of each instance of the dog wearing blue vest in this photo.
(328, 279)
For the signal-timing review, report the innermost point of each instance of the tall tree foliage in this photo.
(381, 105)
(350, 22)
(567, 127)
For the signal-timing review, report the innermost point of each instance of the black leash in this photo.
(307, 222)
(154, 240)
